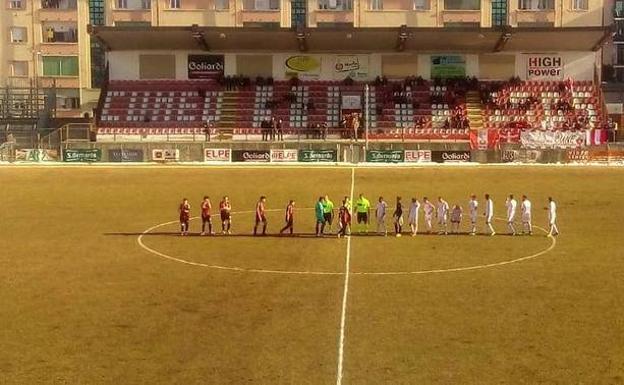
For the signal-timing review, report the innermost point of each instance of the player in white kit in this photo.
(552, 217)
(429, 209)
(525, 207)
(380, 213)
(489, 214)
(473, 207)
(443, 211)
(511, 205)
(412, 218)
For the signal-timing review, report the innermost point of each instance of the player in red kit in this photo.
(261, 216)
(225, 209)
(206, 206)
(185, 216)
(290, 212)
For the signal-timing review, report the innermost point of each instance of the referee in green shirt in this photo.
(328, 212)
(362, 208)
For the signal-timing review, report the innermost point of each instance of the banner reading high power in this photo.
(544, 67)
(205, 66)
(552, 139)
(353, 66)
(302, 66)
(318, 156)
(384, 156)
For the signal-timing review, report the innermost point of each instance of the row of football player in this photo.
(325, 211)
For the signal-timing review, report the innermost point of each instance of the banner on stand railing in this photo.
(385, 156)
(552, 139)
(82, 155)
(284, 155)
(217, 155)
(125, 155)
(166, 155)
(318, 156)
(36, 155)
(417, 156)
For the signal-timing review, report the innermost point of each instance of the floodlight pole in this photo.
(366, 116)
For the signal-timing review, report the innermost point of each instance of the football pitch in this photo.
(99, 288)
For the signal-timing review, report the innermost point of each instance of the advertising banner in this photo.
(552, 139)
(205, 66)
(168, 155)
(251, 156)
(353, 66)
(450, 156)
(125, 155)
(284, 155)
(448, 66)
(417, 156)
(384, 156)
(217, 155)
(577, 156)
(303, 66)
(606, 156)
(544, 67)
(82, 155)
(509, 156)
(318, 156)
(36, 155)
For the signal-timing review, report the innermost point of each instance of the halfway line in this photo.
(345, 294)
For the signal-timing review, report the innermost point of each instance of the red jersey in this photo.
(290, 212)
(206, 206)
(185, 212)
(225, 206)
(260, 210)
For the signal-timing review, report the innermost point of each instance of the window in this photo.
(421, 5)
(122, 4)
(376, 5)
(222, 4)
(499, 13)
(580, 5)
(16, 4)
(18, 35)
(146, 4)
(536, 5)
(174, 4)
(19, 68)
(338, 5)
(60, 66)
(462, 4)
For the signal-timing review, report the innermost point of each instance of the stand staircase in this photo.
(229, 113)
(474, 110)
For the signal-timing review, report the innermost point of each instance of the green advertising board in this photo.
(385, 156)
(448, 66)
(318, 156)
(82, 155)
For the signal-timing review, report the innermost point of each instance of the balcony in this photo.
(390, 13)
(131, 16)
(58, 10)
(260, 12)
(333, 16)
(535, 17)
(59, 82)
(461, 16)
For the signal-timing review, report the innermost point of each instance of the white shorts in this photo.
(552, 220)
(511, 218)
(526, 218)
(488, 219)
(473, 219)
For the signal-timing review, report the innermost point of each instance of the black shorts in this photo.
(225, 216)
(206, 219)
(362, 217)
(329, 218)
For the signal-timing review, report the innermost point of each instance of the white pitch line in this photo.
(345, 295)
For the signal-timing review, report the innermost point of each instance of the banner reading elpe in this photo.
(417, 156)
(217, 155)
(384, 156)
(284, 155)
(205, 66)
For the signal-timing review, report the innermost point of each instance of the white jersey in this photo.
(511, 209)
(413, 212)
(552, 211)
(443, 209)
(473, 207)
(381, 209)
(429, 209)
(489, 210)
(526, 210)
